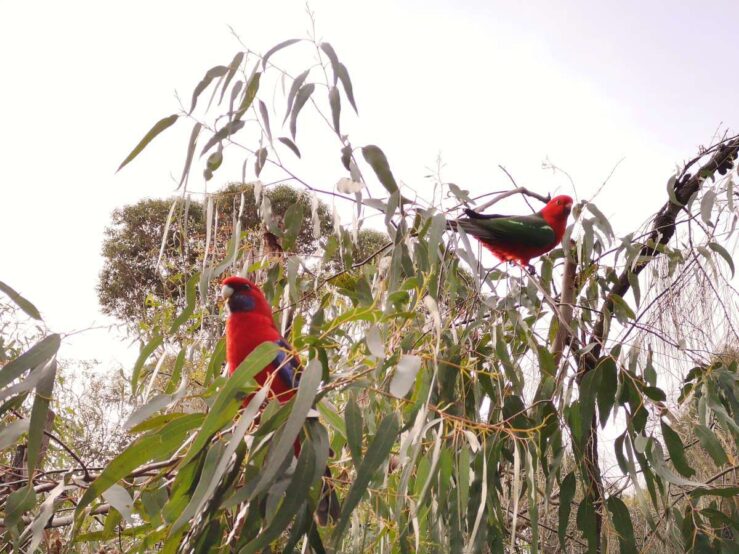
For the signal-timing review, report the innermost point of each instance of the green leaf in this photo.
(39, 413)
(294, 88)
(21, 302)
(190, 152)
(333, 58)
(376, 455)
(301, 405)
(38, 354)
(157, 403)
(290, 144)
(146, 351)
(607, 389)
(710, 444)
(224, 132)
(566, 495)
(378, 161)
(721, 251)
(265, 119)
(300, 100)
(10, 433)
(586, 524)
(731, 491)
(295, 497)
(261, 159)
(209, 479)
(589, 387)
(157, 445)
(622, 523)
(212, 73)
(354, 429)
(677, 450)
(249, 95)
(230, 397)
(405, 374)
(189, 308)
(334, 101)
(17, 503)
(158, 127)
(278, 47)
(600, 219)
(709, 198)
(671, 191)
(343, 75)
(655, 393)
(622, 310)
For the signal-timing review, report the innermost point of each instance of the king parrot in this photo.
(250, 324)
(518, 238)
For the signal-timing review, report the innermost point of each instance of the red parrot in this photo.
(250, 324)
(518, 238)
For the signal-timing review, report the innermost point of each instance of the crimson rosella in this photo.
(250, 324)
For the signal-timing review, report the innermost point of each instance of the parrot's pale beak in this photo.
(226, 292)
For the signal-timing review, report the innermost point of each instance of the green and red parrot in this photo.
(519, 238)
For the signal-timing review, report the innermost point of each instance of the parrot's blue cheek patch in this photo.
(241, 303)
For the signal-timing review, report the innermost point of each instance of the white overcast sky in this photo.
(583, 84)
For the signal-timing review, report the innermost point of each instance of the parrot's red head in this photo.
(243, 296)
(557, 209)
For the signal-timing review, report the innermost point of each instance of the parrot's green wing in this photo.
(526, 231)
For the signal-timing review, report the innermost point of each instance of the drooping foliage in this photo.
(460, 412)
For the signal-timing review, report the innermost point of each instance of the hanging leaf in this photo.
(335, 103)
(711, 444)
(721, 251)
(146, 351)
(265, 119)
(378, 161)
(607, 389)
(566, 496)
(158, 127)
(39, 414)
(261, 156)
(190, 152)
(232, 68)
(677, 450)
(212, 73)
(405, 375)
(709, 198)
(622, 523)
(343, 74)
(333, 58)
(354, 429)
(251, 92)
(300, 100)
(294, 88)
(290, 144)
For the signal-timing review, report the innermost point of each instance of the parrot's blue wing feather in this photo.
(288, 364)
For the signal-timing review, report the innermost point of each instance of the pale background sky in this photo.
(583, 84)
